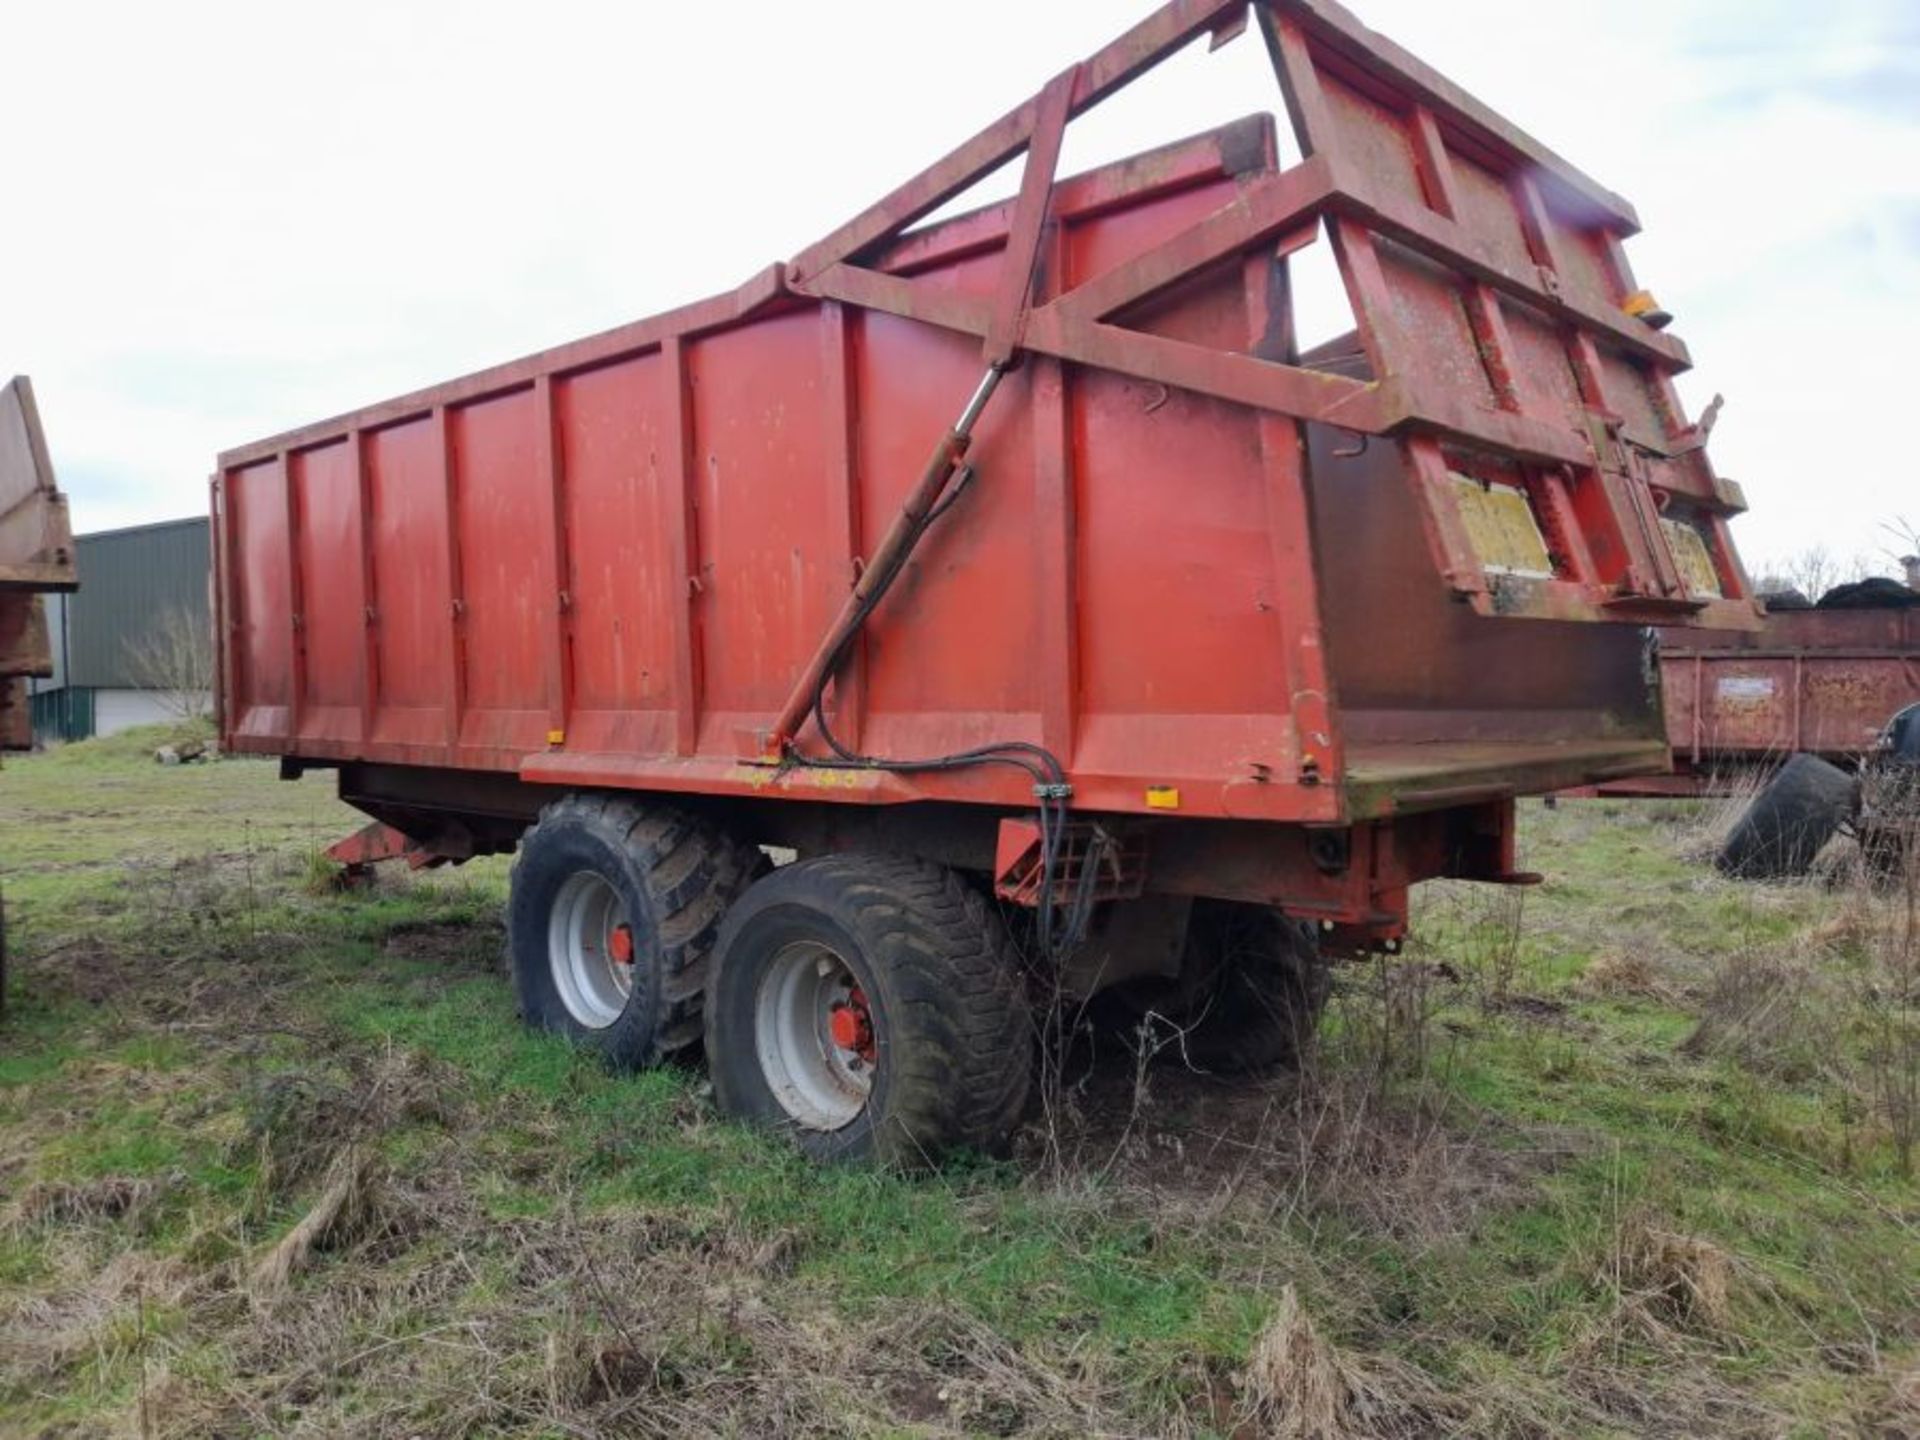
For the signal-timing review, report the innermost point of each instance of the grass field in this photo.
(1627, 1154)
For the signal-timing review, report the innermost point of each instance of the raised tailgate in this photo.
(1532, 400)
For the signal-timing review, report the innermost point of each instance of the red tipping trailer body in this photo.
(1299, 629)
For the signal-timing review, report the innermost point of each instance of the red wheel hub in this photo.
(851, 1025)
(620, 945)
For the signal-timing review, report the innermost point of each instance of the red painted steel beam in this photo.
(369, 845)
(1337, 28)
(1288, 389)
(1010, 303)
(1107, 70)
(1266, 206)
(1232, 149)
(876, 290)
(1229, 375)
(1441, 239)
(369, 587)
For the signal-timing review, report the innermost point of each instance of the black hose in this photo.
(1042, 766)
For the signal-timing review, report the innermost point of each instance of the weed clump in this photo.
(345, 1209)
(1299, 1386)
(1766, 1010)
(1622, 972)
(1670, 1279)
(100, 1200)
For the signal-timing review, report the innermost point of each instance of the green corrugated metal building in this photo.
(141, 590)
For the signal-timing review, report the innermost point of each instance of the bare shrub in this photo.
(1369, 1128)
(173, 658)
(1474, 934)
(1890, 806)
(1375, 1128)
(1812, 571)
(1387, 1029)
(1491, 949)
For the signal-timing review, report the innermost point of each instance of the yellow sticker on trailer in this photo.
(1691, 559)
(1500, 525)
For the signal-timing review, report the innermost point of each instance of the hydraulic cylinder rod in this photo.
(947, 460)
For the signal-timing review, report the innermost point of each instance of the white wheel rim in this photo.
(583, 950)
(821, 1084)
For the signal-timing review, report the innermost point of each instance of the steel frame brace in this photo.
(1603, 482)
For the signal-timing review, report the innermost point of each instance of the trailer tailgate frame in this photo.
(1505, 332)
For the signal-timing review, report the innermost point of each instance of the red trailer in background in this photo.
(1187, 648)
(1819, 682)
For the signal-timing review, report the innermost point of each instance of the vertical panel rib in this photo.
(456, 671)
(677, 524)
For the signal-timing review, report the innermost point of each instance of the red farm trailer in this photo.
(1017, 556)
(1819, 682)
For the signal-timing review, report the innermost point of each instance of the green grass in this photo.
(549, 1246)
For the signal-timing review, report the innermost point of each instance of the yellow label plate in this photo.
(1691, 559)
(1499, 521)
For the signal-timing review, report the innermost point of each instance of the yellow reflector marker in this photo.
(1691, 559)
(556, 737)
(1163, 797)
(1499, 522)
(1642, 306)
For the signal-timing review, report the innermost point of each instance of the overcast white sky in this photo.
(224, 220)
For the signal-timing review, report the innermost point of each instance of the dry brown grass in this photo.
(1665, 1278)
(1368, 1130)
(426, 1301)
(1900, 1414)
(345, 1207)
(93, 1314)
(1300, 1386)
(1771, 1011)
(626, 1324)
(1703, 837)
(1624, 972)
(85, 1202)
(397, 1305)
